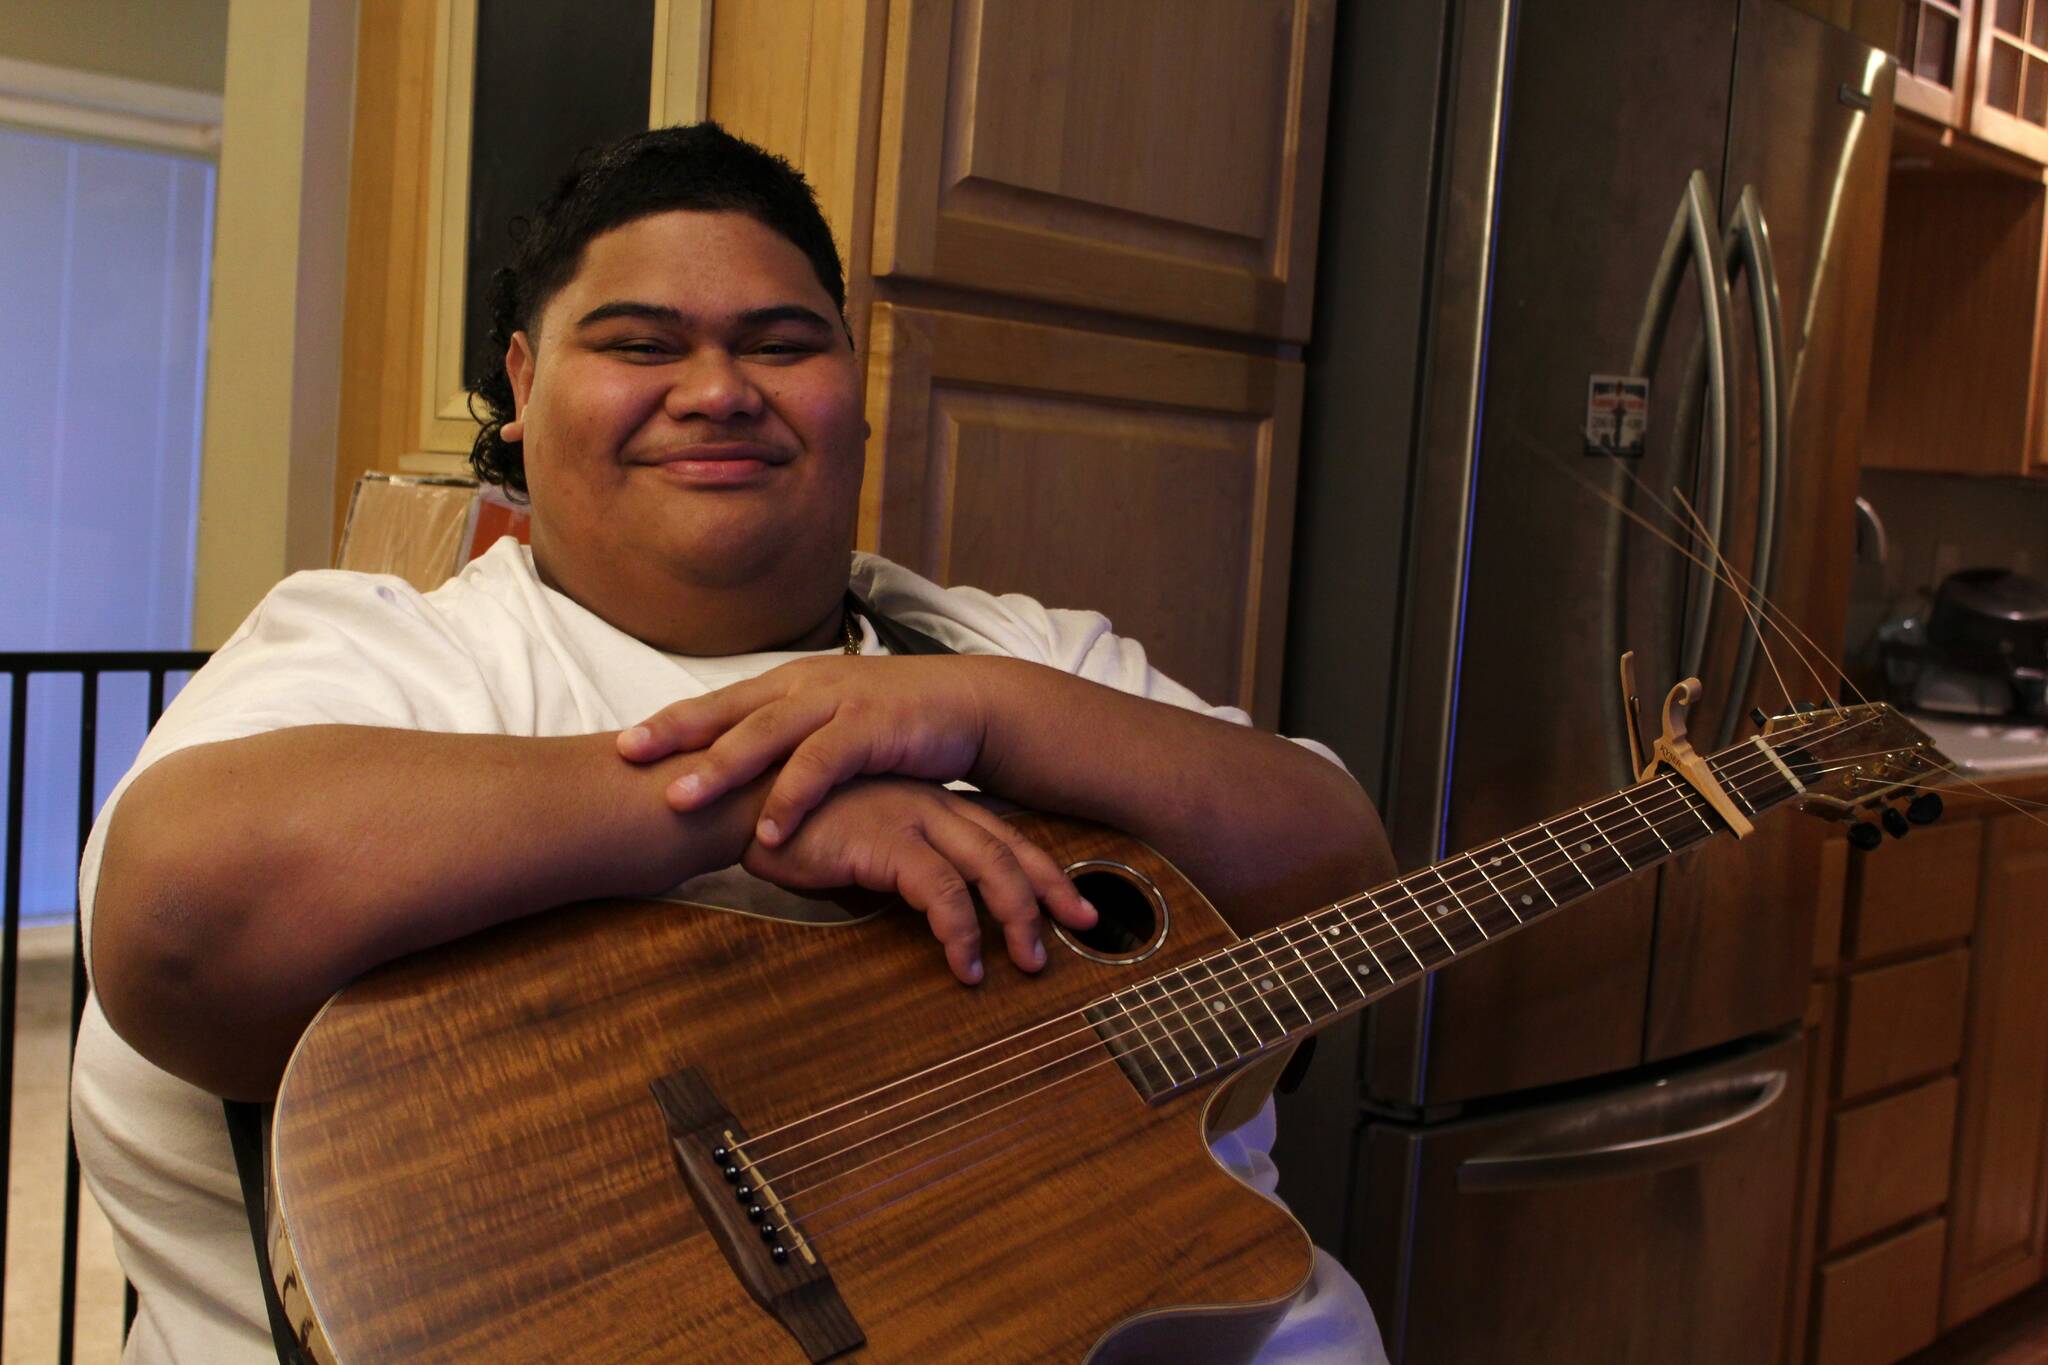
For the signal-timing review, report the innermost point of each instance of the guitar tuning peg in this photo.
(1864, 836)
(1924, 809)
(1894, 822)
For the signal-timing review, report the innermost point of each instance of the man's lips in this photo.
(717, 463)
(705, 451)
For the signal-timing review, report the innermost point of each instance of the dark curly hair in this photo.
(699, 166)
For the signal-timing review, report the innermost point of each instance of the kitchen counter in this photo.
(1989, 750)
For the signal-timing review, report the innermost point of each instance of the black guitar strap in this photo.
(896, 637)
(246, 1122)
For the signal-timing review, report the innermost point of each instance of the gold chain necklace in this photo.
(853, 636)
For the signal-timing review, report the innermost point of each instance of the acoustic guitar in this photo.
(642, 1130)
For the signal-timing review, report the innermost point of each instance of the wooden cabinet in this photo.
(1080, 244)
(1934, 57)
(1160, 158)
(1953, 363)
(1880, 1303)
(1978, 67)
(1927, 1199)
(1902, 1023)
(1898, 997)
(2009, 76)
(1149, 481)
(1926, 896)
(1996, 1236)
(1891, 1161)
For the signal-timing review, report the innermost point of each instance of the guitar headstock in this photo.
(1852, 758)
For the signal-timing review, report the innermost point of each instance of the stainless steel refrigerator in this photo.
(1582, 1144)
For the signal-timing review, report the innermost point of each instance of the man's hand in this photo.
(927, 845)
(826, 721)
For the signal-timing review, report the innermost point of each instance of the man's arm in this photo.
(243, 882)
(1268, 829)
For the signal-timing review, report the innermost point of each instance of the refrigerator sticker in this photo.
(1617, 412)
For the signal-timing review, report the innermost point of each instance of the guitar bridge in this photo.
(780, 1269)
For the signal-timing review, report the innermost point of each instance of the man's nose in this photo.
(712, 384)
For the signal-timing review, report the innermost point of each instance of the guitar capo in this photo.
(1673, 749)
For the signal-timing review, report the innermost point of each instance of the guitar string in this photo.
(1804, 649)
(1287, 944)
(1727, 576)
(1548, 827)
(1684, 799)
(971, 1118)
(2021, 804)
(1722, 573)
(1810, 648)
(1750, 602)
(1281, 969)
(1542, 864)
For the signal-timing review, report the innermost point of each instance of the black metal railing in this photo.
(89, 668)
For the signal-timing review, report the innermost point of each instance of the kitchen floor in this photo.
(35, 1186)
(2014, 1333)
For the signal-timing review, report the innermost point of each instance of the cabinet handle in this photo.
(1628, 1136)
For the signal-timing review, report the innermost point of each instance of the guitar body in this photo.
(468, 1162)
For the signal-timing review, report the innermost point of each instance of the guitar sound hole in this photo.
(1132, 917)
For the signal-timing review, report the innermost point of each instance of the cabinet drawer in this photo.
(1891, 1161)
(1919, 893)
(1902, 1022)
(1881, 1303)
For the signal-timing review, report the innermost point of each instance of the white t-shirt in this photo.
(493, 651)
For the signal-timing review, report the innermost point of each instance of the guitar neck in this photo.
(1199, 1021)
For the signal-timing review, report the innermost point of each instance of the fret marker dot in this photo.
(1266, 984)
(1215, 1007)
(1498, 860)
(1528, 899)
(1585, 848)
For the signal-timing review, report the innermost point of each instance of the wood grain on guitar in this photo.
(468, 1161)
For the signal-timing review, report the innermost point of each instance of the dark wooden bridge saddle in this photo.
(783, 1272)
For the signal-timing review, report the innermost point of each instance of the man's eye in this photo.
(638, 349)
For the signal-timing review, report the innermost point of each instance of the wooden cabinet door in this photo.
(1935, 44)
(1161, 158)
(1153, 483)
(2009, 88)
(1996, 1243)
(1952, 361)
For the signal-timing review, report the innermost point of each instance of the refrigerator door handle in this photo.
(1749, 248)
(1693, 234)
(1651, 1129)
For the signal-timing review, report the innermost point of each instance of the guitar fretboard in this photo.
(1200, 1020)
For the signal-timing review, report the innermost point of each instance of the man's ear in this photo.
(519, 369)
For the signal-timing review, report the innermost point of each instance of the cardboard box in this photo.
(424, 528)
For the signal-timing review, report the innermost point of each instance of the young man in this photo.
(671, 681)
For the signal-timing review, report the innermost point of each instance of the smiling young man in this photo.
(675, 678)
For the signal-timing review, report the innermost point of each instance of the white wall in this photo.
(182, 43)
(274, 372)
